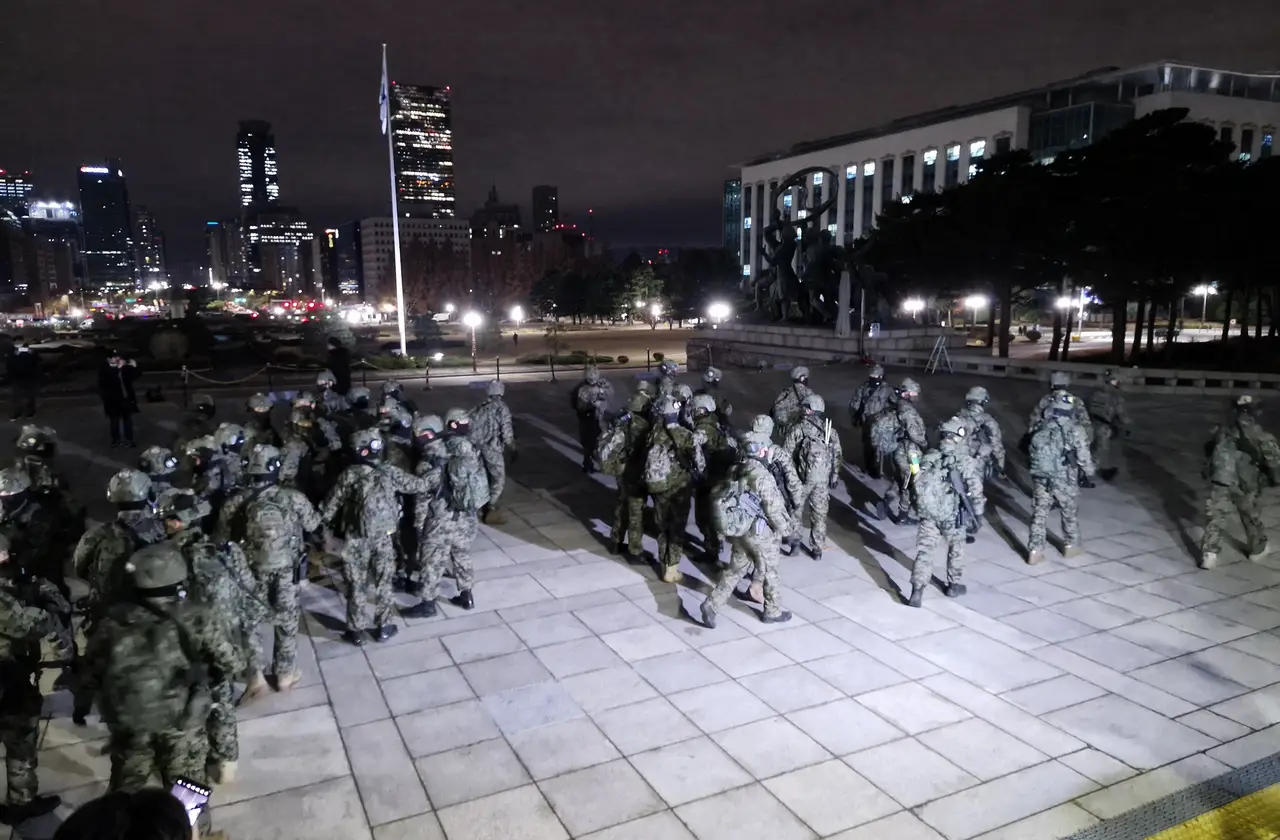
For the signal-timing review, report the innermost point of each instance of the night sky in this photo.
(635, 109)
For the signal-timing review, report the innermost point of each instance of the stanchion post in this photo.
(648, 360)
(270, 386)
(497, 367)
(185, 375)
(551, 360)
(364, 374)
(426, 376)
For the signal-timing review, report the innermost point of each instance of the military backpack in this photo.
(613, 451)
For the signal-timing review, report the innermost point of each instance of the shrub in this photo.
(622, 360)
(1033, 335)
(659, 356)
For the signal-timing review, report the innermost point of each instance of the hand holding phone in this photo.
(194, 797)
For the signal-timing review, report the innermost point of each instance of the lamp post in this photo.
(718, 312)
(1204, 292)
(517, 315)
(472, 320)
(975, 302)
(914, 307)
(656, 311)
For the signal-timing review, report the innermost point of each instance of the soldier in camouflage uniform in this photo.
(393, 389)
(1106, 409)
(813, 445)
(360, 411)
(394, 425)
(590, 400)
(196, 422)
(460, 491)
(982, 436)
(230, 439)
(277, 520)
(786, 406)
(259, 429)
(1241, 453)
(759, 547)
(301, 464)
(646, 390)
(305, 402)
(720, 452)
(364, 507)
(208, 474)
(428, 509)
(627, 535)
(29, 613)
(37, 447)
(684, 395)
(103, 552)
(218, 576)
(871, 398)
(493, 435)
(899, 432)
(160, 465)
(330, 401)
(149, 661)
(1059, 455)
(673, 464)
(711, 379)
(944, 516)
(1058, 395)
(667, 381)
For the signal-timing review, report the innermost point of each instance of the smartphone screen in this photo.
(193, 797)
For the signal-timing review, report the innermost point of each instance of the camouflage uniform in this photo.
(259, 429)
(330, 401)
(1079, 414)
(711, 378)
(1106, 408)
(493, 436)
(149, 661)
(196, 422)
(102, 553)
(209, 480)
(230, 440)
(391, 389)
(910, 442)
(941, 509)
(871, 398)
(760, 546)
(815, 450)
(452, 531)
(628, 509)
(1242, 452)
(590, 400)
(671, 499)
(786, 406)
(1059, 455)
(982, 434)
(720, 454)
(363, 502)
(393, 425)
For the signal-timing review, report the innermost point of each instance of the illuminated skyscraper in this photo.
(14, 189)
(422, 139)
(108, 226)
(149, 246)
(546, 208)
(256, 157)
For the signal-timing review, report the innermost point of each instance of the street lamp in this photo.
(155, 286)
(975, 302)
(914, 307)
(517, 315)
(472, 320)
(718, 312)
(1204, 292)
(656, 312)
(448, 307)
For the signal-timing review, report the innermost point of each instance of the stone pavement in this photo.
(574, 701)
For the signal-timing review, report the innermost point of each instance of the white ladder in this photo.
(939, 356)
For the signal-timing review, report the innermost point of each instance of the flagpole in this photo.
(395, 208)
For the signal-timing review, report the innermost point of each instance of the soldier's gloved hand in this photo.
(835, 481)
(1087, 482)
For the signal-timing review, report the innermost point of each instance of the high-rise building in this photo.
(733, 218)
(546, 208)
(14, 189)
(277, 238)
(422, 145)
(375, 243)
(324, 264)
(349, 259)
(228, 254)
(256, 158)
(55, 248)
(108, 226)
(149, 247)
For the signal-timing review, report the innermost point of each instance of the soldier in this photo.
(37, 446)
(159, 465)
(1059, 381)
(899, 432)
(673, 463)
(493, 435)
(948, 496)
(230, 439)
(208, 472)
(30, 611)
(1059, 455)
(259, 429)
(814, 447)
(276, 521)
(218, 576)
(684, 395)
(301, 453)
(305, 401)
(667, 381)
(150, 662)
(454, 516)
(103, 552)
(393, 389)
(786, 406)
(364, 506)
(262, 469)
(1241, 451)
(757, 538)
(626, 463)
(719, 451)
(647, 391)
(397, 438)
(428, 510)
(982, 436)
(330, 401)
(711, 379)
(871, 398)
(196, 422)
(1106, 408)
(590, 399)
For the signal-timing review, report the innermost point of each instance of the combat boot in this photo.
(955, 590)
(495, 516)
(746, 595)
(37, 807)
(917, 596)
(1086, 482)
(256, 688)
(289, 680)
(1208, 559)
(463, 599)
(383, 632)
(619, 547)
(884, 514)
(353, 637)
(1070, 550)
(422, 609)
(1036, 556)
(782, 616)
(634, 559)
(708, 615)
(222, 772)
(672, 574)
(1255, 556)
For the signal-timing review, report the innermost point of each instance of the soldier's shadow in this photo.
(855, 519)
(1177, 500)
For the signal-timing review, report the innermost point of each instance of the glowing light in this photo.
(448, 307)
(1066, 302)
(913, 305)
(472, 319)
(975, 301)
(718, 311)
(1204, 291)
(437, 356)
(328, 302)
(95, 170)
(517, 314)
(655, 310)
(76, 313)
(277, 310)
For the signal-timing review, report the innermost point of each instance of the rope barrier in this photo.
(228, 381)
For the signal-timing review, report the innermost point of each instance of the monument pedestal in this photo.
(749, 345)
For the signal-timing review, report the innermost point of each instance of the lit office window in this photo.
(746, 223)
(951, 176)
(868, 195)
(1267, 141)
(817, 179)
(850, 197)
(929, 175)
(869, 168)
(977, 149)
(746, 270)
(831, 229)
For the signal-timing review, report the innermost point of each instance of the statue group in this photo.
(801, 280)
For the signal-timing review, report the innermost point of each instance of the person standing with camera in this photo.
(115, 388)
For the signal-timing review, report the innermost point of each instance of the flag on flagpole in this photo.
(384, 98)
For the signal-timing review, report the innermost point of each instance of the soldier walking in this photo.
(899, 433)
(720, 453)
(1241, 453)
(982, 435)
(814, 447)
(493, 435)
(786, 406)
(624, 459)
(871, 398)
(948, 496)
(590, 399)
(1106, 409)
(673, 461)
(1059, 456)
(1059, 396)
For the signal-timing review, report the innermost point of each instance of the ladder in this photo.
(939, 356)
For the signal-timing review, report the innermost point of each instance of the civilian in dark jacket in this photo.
(115, 387)
(24, 380)
(340, 366)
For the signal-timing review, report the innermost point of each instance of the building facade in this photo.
(15, 190)
(279, 248)
(374, 241)
(256, 163)
(731, 240)
(324, 264)
(227, 252)
(546, 208)
(348, 259)
(149, 247)
(108, 227)
(422, 147)
(941, 149)
(55, 248)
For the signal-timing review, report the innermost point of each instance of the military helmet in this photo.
(762, 425)
(1060, 406)
(229, 436)
(668, 367)
(305, 399)
(684, 392)
(300, 417)
(182, 505)
(877, 372)
(202, 402)
(202, 447)
(496, 388)
(1111, 377)
(156, 460)
(427, 423)
(1059, 379)
(157, 566)
(128, 486)
(712, 375)
(1245, 403)
(367, 442)
(14, 480)
(646, 387)
(638, 402)
(799, 372)
(38, 440)
(591, 374)
(326, 379)
(977, 394)
(668, 406)
(909, 386)
(814, 403)
(263, 459)
(395, 414)
(756, 443)
(359, 396)
(455, 417)
(704, 402)
(259, 404)
(392, 388)
(951, 428)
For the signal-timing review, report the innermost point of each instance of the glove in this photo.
(1087, 482)
(835, 481)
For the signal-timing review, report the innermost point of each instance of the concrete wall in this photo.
(749, 345)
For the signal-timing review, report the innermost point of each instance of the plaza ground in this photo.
(575, 701)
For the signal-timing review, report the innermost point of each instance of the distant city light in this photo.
(718, 311)
(472, 319)
(517, 314)
(913, 305)
(655, 310)
(95, 170)
(975, 301)
(448, 307)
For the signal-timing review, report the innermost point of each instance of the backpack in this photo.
(885, 431)
(150, 682)
(484, 422)
(659, 463)
(931, 489)
(734, 507)
(1045, 442)
(466, 485)
(270, 533)
(612, 451)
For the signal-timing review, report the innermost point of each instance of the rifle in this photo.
(966, 517)
(780, 478)
(750, 502)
